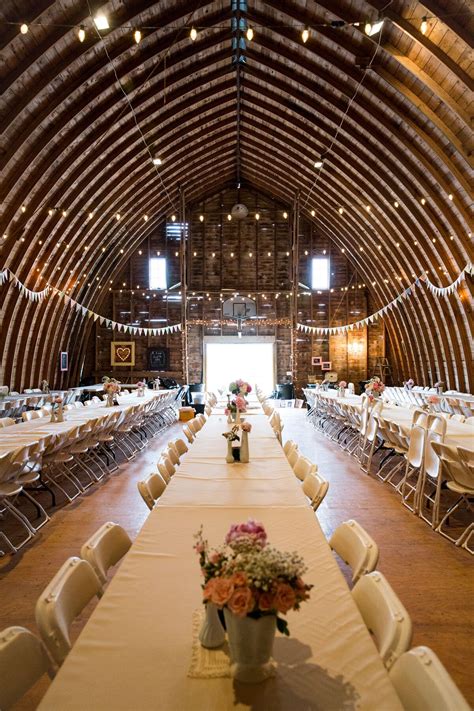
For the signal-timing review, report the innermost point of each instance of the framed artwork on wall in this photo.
(158, 359)
(316, 360)
(122, 353)
(63, 361)
(326, 365)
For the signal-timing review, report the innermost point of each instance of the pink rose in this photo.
(222, 591)
(266, 602)
(285, 597)
(241, 602)
(239, 402)
(214, 557)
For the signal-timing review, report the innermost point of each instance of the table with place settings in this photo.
(136, 649)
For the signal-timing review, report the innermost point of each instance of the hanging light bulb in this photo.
(90, 215)
(372, 29)
(137, 36)
(23, 208)
(201, 218)
(117, 216)
(173, 218)
(145, 217)
(424, 25)
(24, 28)
(305, 35)
(249, 34)
(64, 213)
(229, 217)
(285, 215)
(313, 213)
(341, 210)
(257, 215)
(193, 34)
(157, 160)
(101, 21)
(81, 33)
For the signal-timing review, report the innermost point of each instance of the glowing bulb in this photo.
(137, 36)
(229, 217)
(64, 213)
(318, 163)
(269, 254)
(423, 26)
(193, 34)
(173, 218)
(81, 34)
(249, 34)
(285, 215)
(313, 213)
(145, 217)
(24, 29)
(250, 254)
(201, 218)
(90, 215)
(305, 35)
(213, 254)
(372, 29)
(395, 204)
(341, 210)
(450, 196)
(117, 216)
(23, 208)
(231, 254)
(257, 215)
(101, 21)
(423, 201)
(156, 161)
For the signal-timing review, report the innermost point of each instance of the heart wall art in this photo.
(122, 353)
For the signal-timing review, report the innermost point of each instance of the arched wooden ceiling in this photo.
(71, 141)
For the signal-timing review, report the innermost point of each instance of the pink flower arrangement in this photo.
(409, 384)
(240, 387)
(141, 384)
(250, 577)
(238, 403)
(343, 384)
(432, 399)
(374, 386)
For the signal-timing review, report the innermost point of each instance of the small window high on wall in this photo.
(320, 273)
(157, 273)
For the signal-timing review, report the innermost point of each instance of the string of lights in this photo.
(102, 22)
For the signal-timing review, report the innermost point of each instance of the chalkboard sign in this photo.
(158, 359)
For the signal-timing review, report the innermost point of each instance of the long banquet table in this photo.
(458, 434)
(41, 428)
(134, 653)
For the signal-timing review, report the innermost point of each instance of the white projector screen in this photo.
(251, 361)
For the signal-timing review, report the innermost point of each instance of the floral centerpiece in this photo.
(432, 401)
(254, 584)
(141, 385)
(240, 387)
(44, 386)
(374, 388)
(111, 389)
(342, 388)
(232, 452)
(409, 384)
(235, 406)
(439, 387)
(57, 409)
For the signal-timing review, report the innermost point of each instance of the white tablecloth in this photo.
(135, 651)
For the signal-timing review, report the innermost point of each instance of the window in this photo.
(157, 273)
(320, 273)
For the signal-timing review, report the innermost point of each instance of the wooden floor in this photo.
(433, 579)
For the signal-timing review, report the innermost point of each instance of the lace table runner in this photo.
(207, 663)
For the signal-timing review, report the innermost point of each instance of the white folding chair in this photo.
(423, 684)
(384, 616)
(105, 548)
(357, 549)
(72, 588)
(303, 466)
(23, 660)
(315, 488)
(151, 489)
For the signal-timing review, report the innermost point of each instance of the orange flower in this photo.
(266, 601)
(285, 597)
(241, 602)
(222, 591)
(239, 579)
(208, 589)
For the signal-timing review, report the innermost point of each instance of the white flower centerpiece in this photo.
(253, 584)
(374, 388)
(111, 388)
